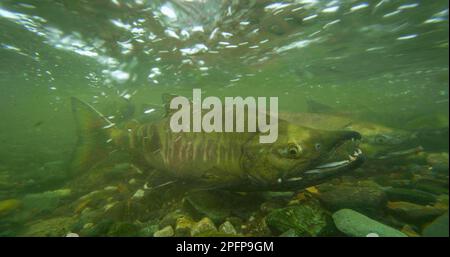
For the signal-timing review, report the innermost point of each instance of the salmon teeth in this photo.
(295, 179)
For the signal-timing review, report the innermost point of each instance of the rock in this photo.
(88, 225)
(54, 227)
(410, 195)
(126, 211)
(139, 194)
(433, 186)
(278, 196)
(93, 196)
(80, 206)
(148, 231)
(184, 226)
(119, 171)
(8, 206)
(123, 229)
(305, 220)
(414, 213)
(369, 200)
(236, 222)
(204, 226)
(438, 228)
(171, 219)
(439, 162)
(111, 188)
(165, 232)
(46, 176)
(209, 204)
(60, 192)
(227, 228)
(256, 226)
(290, 233)
(215, 234)
(217, 205)
(355, 224)
(44, 202)
(442, 202)
(100, 229)
(89, 215)
(400, 183)
(409, 231)
(110, 205)
(269, 206)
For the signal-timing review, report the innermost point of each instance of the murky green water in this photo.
(376, 67)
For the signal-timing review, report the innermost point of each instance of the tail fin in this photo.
(93, 134)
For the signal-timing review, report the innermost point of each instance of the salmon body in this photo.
(228, 160)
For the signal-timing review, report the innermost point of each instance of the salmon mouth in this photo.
(344, 157)
(346, 154)
(321, 173)
(353, 160)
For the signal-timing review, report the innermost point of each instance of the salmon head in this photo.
(299, 158)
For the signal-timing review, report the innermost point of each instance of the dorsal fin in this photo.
(167, 98)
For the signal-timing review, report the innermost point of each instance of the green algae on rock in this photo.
(304, 220)
(203, 227)
(415, 213)
(369, 200)
(164, 232)
(54, 227)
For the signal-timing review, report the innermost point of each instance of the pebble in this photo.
(355, 224)
(110, 188)
(369, 200)
(307, 219)
(165, 232)
(88, 225)
(7, 206)
(205, 225)
(227, 228)
(183, 226)
(109, 206)
(139, 194)
(414, 213)
(410, 195)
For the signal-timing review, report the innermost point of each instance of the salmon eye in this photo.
(290, 151)
(293, 151)
(318, 146)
